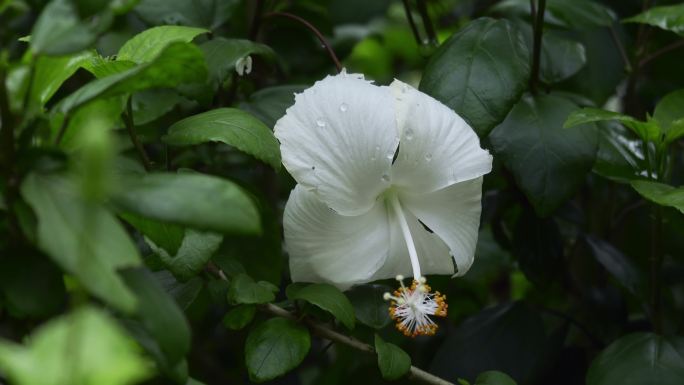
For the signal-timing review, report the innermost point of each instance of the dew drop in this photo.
(320, 122)
(409, 134)
(428, 157)
(344, 107)
(404, 88)
(385, 178)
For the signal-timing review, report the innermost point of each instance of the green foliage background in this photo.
(141, 192)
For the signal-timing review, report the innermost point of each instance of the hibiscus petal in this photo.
(433, 253)
(338, 139)
(327, 247)
(438, 148)
(453, 213)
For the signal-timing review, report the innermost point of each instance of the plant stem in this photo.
(537, 27)
(7, 154)
(130, 127)
(621, 48)
(313, 29)
(29, 86)
(427, 23)
(658, 53)
(412, 23)
(62, 130)
(656, 261)
(256, 19)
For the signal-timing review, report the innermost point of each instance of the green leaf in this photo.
(51, 72)
(150, 105)
(616, 158)
(147, 45)
(645, 130)
(369, 306)
(239, 317)
(617, 264)
(662, 194)
(275, 347)
(84, 347)
(394, 363)
(107, 112)
(199, 13)
(184, 293)
(82, 237)
(199, 201)
(669, 18)
(230, 126)
(244, 290)
(639, 359)
(326, 297)
(176, 64)
(548, 162)
(193, 254)
(669, 113)
(167, 236)
(159, 314)
(102, 67)
(269, 104)
(222, 54)
(579, 14)
(58, 30)
(480, 72)
(493, 377)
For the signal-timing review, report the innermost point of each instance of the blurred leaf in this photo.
(639, 359)
(159, 314)
(493, 377)
(84, 347)
(106, 111)
(669, 113)
(230, 126)
(269, 104)
(509, 338)
(480, 72)
(200, 201)
(580, 14)
(51, 72)
(200, 13)
(239, 317)
(82, 237)
(184, 293)
(30, 285)
(177, 63)
(59, 31)
(549, 163)
(669, 18)
(150, 105)
(619, 157)
(645, 130)
(369, 306)
(222, 54)
(662, 194)
(326, 297)
(147, 45)
(617, 264)
(538, 245)
(275, 347)
(164, 235)
(193, 254)
(244, 290)
(394, 363)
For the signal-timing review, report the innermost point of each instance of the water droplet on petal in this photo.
(428, 157)
(385, 178)
(404, 88)
(390, 155)
(344, 107)
(409, 134)
(320, 122)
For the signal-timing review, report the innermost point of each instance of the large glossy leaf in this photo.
(581, 14)
(617, 264)
(669, 18)
(269, 104)
(59, 31)
(199, 201)
(619, 157)
(639, 359)
(548, 162)
(328, 298)
(662, 194)
(275, 347)
(230, 126)
(176, 64)
(222, 54)
(538, 246)
(84, 347)
(200, 13)
(480, 72)
(82, 237)
(369, 306)
(159, 315)
(509, 338)
(146, 45)
(393, 362)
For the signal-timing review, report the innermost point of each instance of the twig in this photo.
(62, 130)
(412, 23)
(130, 127)
(313, 29)
(326, 332)
(621, 48)
(427, 23)
(664, 50)
(538, 27)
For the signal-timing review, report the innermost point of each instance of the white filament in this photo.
(415, 265)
